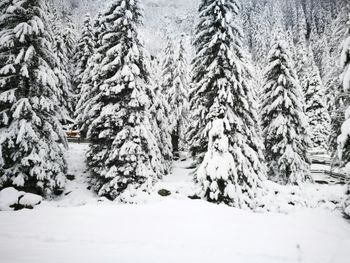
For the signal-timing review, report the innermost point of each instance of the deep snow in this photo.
(172, 231)
(79, 227)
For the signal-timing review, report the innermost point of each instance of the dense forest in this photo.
(203, 130)
(258, 85)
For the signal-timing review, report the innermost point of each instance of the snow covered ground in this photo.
(79, 227)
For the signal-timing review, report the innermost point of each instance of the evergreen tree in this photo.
(283, 120)
(217, 173)
(97, 28)
(222, 94)
(160, 111)
(65, 81)
(70, 38)
(124, 154)
(168, 68)
(344, 138)
(178, 99)
(337, 99)
(4, 5)
(85, 50)
(31, 137)
(88, 90)
(303, 53)
(316, 111)
(62, 69)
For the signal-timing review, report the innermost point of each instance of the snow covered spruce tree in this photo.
(178, 100)
(70, 38)
(62, 68)
(84, 51)
(31, 137)
(344, 138)
(88, 91)
(4, 5)
(160, 112)
(168, 67)
(124, 154)
(285, 127)
(316, 111)
(224, 122)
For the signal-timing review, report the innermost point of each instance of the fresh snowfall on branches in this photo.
(222, 91)
(166, 117)
(283, 120)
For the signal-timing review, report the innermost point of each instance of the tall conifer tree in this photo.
(178, 99)
(316, 111)
(31, 137)
(124, 152)
(85, 50)
(344, 138)
(285, 126)
(222, 104)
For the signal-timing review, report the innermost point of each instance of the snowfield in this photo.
(172, 231)
(79, 227)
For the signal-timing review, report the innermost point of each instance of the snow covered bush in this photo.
(220, 79)
(217, 173)
(285, 126)
(124, 152)
(289, 198)
(11, 199)
(31, 136)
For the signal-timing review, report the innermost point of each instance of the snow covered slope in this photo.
(162, 18)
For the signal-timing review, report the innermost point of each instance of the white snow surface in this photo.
(80, 227)
(30, 200)
(8, 197)
(171, 231)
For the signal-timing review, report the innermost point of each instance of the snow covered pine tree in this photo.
(31, 137)
(178, 100)
(62, 69)
(124, 154)
(168, 67)
(88, 91)
(344, 138)
(283, 120)
(316, 111)
(223, 109)
(312, 86)
(85, 50)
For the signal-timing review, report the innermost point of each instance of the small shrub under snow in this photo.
(12, 199)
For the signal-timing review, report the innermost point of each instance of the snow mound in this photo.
(30, 200)
(286, 199)
(9, 197)
(12, 199)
